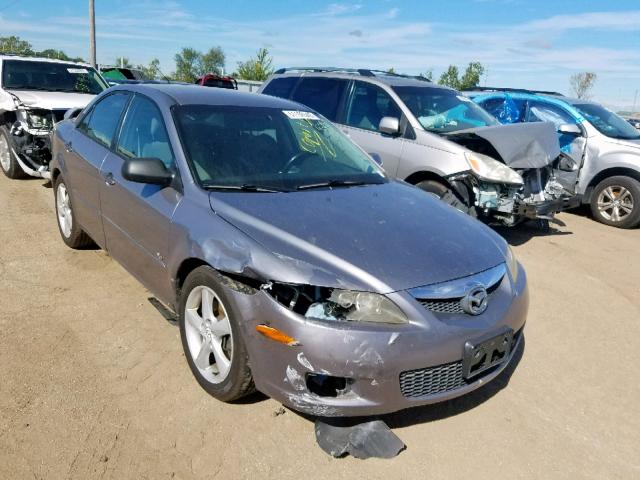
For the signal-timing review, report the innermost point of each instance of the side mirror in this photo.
(72, 113)
(147, 170)
(570, 129)
(390, 126)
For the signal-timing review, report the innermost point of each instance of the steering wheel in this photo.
(298, 157)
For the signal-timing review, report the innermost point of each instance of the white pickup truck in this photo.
(35, 93)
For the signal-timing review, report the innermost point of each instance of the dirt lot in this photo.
(93, 382)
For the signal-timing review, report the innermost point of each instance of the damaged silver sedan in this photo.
(295, 265)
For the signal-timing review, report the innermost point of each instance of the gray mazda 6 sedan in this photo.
(295, 265)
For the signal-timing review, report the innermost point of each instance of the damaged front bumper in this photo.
(364, 366)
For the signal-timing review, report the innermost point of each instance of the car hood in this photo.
(519, 145)
(380, 238)
(52, 100)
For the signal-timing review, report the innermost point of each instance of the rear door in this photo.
(85, 150)
(136, 216)
(573, 146)
(365, 106)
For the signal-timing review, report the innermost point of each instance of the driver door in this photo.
(571, 145)
(136, 216)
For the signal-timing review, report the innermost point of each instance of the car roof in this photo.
(198, 95)
(389, 79)
(42, 59)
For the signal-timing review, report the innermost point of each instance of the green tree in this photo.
(15, 45)
(123, 62)
(471, 76)
(151, 71)
(212, 61)
(187, 65)
(449, 77)
(391, 71)
(257, 68)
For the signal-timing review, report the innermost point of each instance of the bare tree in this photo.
(582, 83)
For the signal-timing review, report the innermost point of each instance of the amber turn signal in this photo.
(276, 335)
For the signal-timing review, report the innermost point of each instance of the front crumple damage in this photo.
(530, 149)
(30, 129)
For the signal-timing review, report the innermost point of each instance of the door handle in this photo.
(68, 146)
(109, 179)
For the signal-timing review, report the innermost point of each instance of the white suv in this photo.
(35, 93)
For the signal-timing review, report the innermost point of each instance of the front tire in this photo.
(8, 162)
(72, 234)
(211, 337)
(445, 194)
(616, 202)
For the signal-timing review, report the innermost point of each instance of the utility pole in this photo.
(92, 34)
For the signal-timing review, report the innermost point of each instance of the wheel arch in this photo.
(604, 174)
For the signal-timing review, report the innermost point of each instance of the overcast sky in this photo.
(522, 43)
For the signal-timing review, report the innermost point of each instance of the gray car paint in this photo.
(384, 238)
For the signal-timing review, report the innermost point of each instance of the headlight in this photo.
(512, 264)
(347, 305)
(491, 170)
(39, 120)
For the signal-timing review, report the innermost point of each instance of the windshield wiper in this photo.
(333, 183)
(243, 188)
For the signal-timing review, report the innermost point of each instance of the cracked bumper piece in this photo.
(381, 368)
(548, 208)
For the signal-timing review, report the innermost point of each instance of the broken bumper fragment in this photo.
(548, 208)
(346, 368)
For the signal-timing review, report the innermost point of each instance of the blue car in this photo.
(601, 158)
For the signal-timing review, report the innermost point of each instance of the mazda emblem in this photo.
(475, 301)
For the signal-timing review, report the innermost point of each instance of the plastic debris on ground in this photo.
(340, 437)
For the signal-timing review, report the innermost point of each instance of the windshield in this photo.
(607, 122)
(266, 148)
(51, 77)
(443, 111)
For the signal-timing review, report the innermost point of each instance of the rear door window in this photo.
(101, 123)
(322, 94)
(280, 87)
(367, 106)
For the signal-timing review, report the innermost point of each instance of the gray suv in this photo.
(436, 138)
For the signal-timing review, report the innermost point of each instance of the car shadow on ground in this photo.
(521, 234)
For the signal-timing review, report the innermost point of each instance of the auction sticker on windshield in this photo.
(77, 70)
(299, 115)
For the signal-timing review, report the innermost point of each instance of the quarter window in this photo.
(368, 105)
(101, 123)
(144, 134)
(321, 94)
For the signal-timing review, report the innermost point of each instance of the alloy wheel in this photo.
(615, 203)
(5, 154)
(208, 334)
(63, 208)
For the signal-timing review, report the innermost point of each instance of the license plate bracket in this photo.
(486, 352)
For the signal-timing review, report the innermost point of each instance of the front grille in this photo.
(450, 305)
(441, 378)
(443, 306)
(430, 381)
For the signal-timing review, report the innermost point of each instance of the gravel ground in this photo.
(93, 382)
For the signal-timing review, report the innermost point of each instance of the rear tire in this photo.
(71, 233)
(212, 338)
(445, 194)
(8, 162)
(616, 202)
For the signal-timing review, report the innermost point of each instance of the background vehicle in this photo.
(435, 138)
(35, 93)
(219, 81)
(269, 232)
(602, 150)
